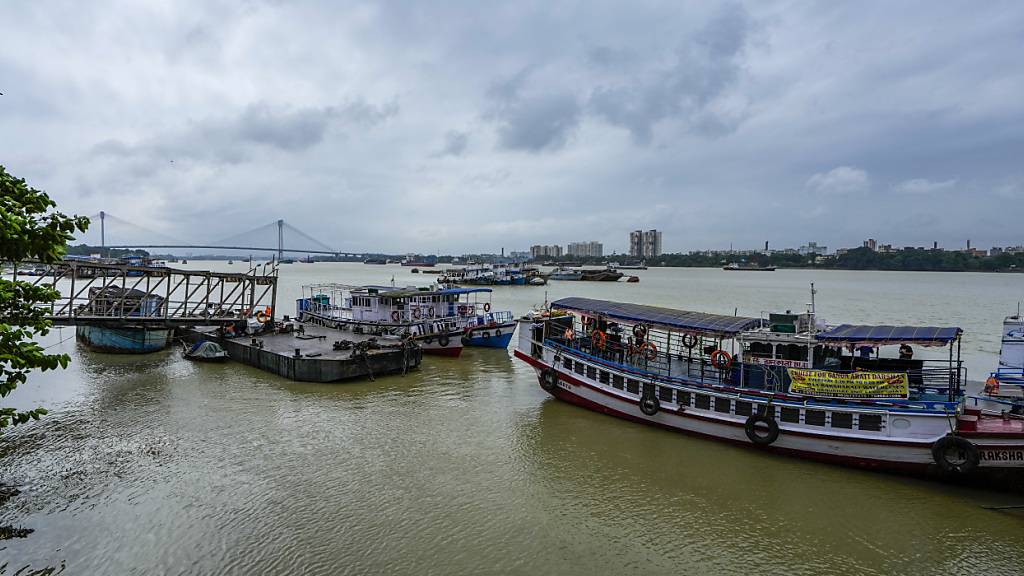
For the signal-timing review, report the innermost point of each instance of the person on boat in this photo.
(906, 352)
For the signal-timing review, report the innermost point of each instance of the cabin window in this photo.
(567, 363)
(791, 415)
(871, 422)
(744, 408)
(603, 377)
(760, 350)
(665, 394)
(617, 381)
(632, 386)
(579, 367)
(684, 398)
(722, 405)
(793, 352)
(814, 417)
(842, 420)
(591, 372)
(703, 401)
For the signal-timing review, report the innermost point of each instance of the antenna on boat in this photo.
(813, 310)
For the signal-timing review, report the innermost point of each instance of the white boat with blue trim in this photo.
(786, 383)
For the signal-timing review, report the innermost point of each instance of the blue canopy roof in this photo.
(890, 334)
(666, 317)
(463, 290)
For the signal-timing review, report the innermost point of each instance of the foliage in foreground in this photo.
(30, 229)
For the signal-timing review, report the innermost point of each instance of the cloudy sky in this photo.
(471, 126)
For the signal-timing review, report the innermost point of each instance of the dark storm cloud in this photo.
(701, 69)
(536, 122)
(455, 144)
(233, 140)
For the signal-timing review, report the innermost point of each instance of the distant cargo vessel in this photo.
(748, 267)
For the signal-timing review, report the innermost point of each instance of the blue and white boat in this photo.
(1007, 382)
(481, 326)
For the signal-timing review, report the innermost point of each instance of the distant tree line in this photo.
(916, 259)
(86, 250)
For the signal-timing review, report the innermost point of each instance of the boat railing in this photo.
(937, 382)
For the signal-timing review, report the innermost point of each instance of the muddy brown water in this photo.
(154, 465)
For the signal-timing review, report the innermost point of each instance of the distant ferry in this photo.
(748, 267)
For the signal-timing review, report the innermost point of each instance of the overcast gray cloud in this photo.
(719, 123)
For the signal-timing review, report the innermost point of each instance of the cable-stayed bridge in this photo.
(278, 237)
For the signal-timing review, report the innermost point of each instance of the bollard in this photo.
(297, 353)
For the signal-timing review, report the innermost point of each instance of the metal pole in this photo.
(103, 229)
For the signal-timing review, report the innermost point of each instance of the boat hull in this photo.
(490, 336)
(450, 346)
(880, 453)
(124, 340)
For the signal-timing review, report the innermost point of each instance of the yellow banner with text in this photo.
(849, 385)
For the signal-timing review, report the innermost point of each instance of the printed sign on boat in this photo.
(849, 385)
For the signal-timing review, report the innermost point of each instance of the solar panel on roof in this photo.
(668, 317)
(883, 334)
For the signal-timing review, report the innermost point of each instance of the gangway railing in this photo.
(99, 293)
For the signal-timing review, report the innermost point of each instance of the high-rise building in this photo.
(636, 243)
(871, 244)
(585, 249)
(645, 244)
(539, 250)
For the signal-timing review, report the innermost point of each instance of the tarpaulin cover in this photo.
(889, 334)
(667, 317)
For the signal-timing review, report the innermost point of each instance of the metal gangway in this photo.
(121, 294)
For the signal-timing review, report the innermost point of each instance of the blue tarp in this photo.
(666, 317)
(889, 334)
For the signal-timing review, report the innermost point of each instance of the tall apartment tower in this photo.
(645, 244)
(652, 243)
(636, 243)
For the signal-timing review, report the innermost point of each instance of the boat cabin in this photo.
(789, 354)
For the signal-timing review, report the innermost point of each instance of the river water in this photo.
(154, 465)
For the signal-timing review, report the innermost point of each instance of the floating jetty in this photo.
(313, 353)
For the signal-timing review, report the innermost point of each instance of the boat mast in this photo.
(814, 328)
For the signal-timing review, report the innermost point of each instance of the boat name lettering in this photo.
(1002, 455)
(781, 362)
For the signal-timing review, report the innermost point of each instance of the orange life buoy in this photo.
(262, 317)
(599, 339)
(649, 351)
(992, 385)
(721, 359)
(487, 306)
(395, 316)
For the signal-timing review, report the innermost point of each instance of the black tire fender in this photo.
(956, 454)
(549, 379)
(443, 340)
(649, 404)
(755, 435)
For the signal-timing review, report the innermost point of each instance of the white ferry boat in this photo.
(1006, 384)
(786, 384)
(387, 312)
